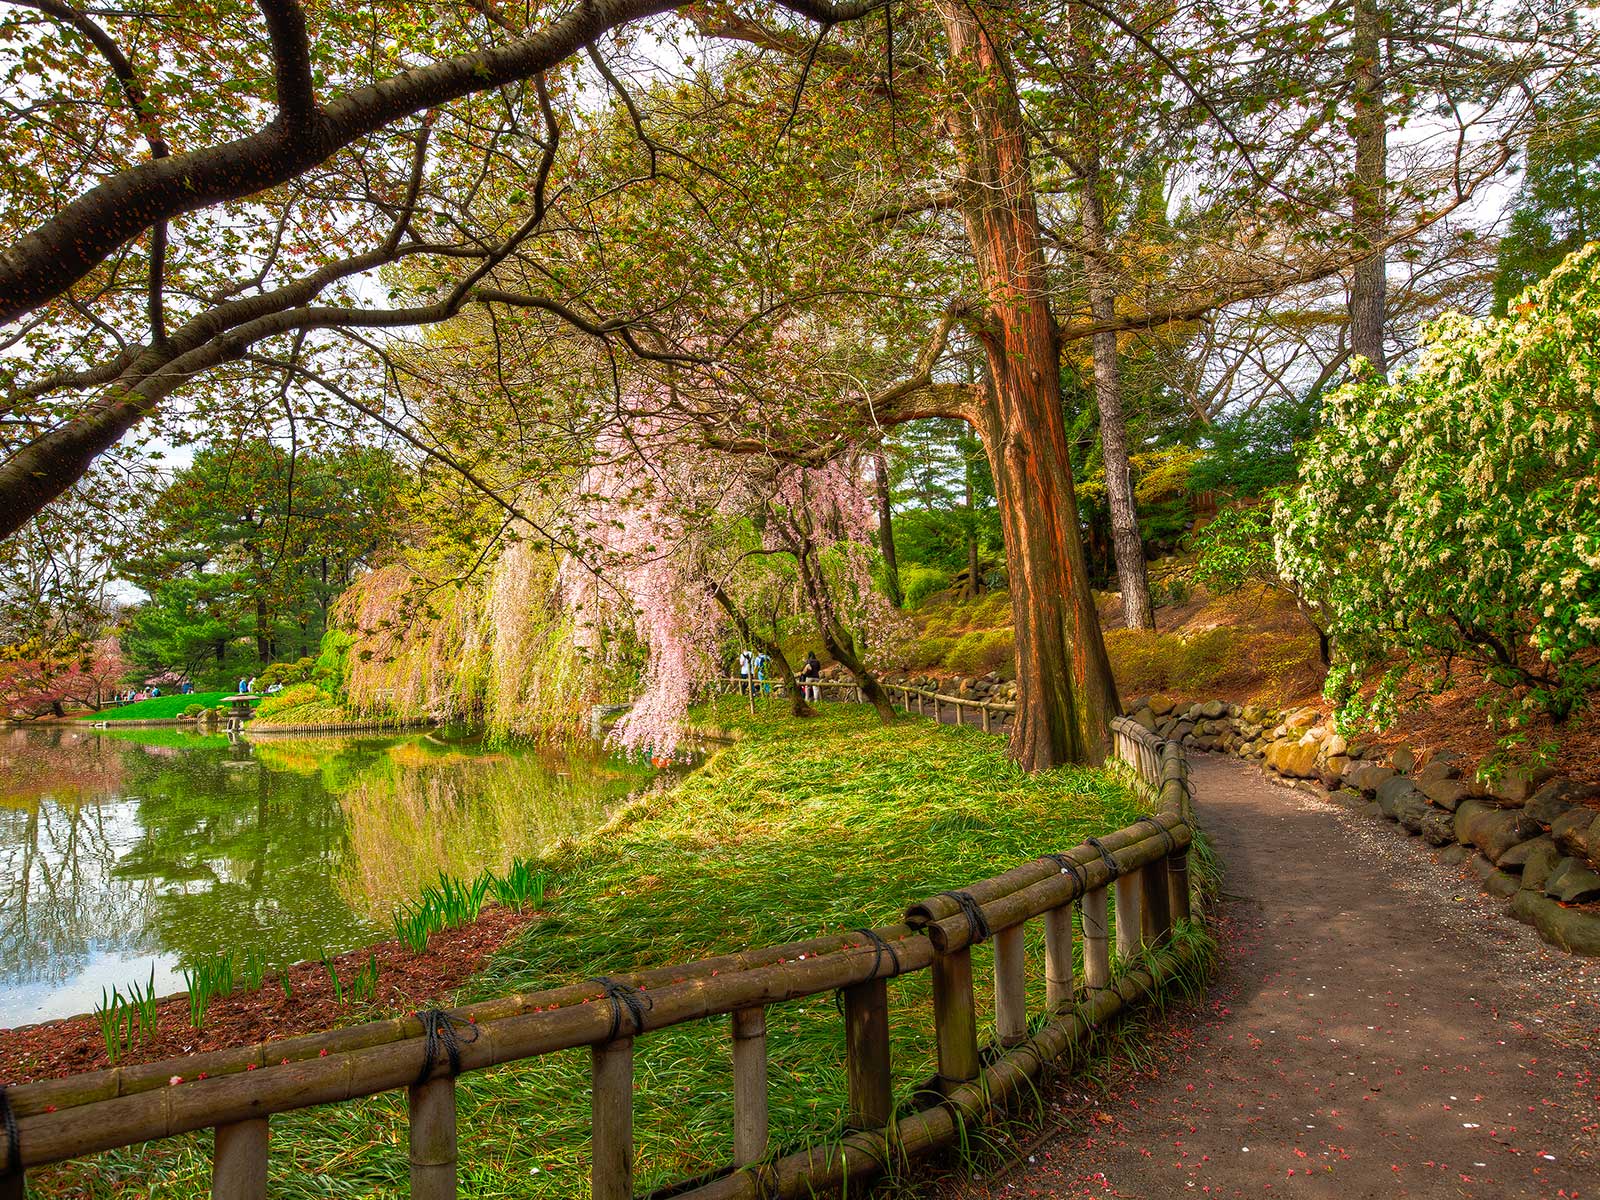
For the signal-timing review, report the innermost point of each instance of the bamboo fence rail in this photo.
(237, 1092)
(928, 701)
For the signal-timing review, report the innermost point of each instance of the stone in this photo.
(1439, 768)
(1516, 858)
(1446, 793)
(1213, 709)
(1500, 829)
(1502, 885)
(1577, 832)
(1371, 809)
(1235, 712)
(1294, 759)
(1402, 758)
(1454, 855)
(1335, 746)
(1572, 882)
(1392, 791)
(1539, 861)
(1511, 787)
(1367, 776)
(1332, 770)
(1181, 730)
(1348, 797)
(1439, 829)
(1193, 713)
(1204, 741)
(1467, 812)
(1146, 718)
(1569, 929)
(1161, 705)
(1303, 718)
(1559, 796)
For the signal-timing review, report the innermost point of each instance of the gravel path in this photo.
(1379, 1029)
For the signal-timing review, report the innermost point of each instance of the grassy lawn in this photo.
(799, 829)
(158, 708)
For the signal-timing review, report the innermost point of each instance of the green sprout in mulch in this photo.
(801, 828)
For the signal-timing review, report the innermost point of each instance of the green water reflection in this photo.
(123, 852)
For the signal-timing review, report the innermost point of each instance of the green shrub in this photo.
(981, 651)
(918, 583)
(194, 710)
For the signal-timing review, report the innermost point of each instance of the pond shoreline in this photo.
(406, 982)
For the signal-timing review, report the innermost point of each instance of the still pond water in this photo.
(123, 852)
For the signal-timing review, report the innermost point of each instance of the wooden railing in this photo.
(926, 701)
(237, 1092)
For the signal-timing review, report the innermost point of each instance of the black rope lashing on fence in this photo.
(623, 999)
(880, 948)
(977, 925)
(440, 1030)
(1106, 857)
(1172, 842)
(1069, 867)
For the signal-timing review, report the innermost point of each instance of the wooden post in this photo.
(954, 1019)
(433, 1140)
(936, 708)
(1058, 957)
(611, 1120)
(1154, 903)
(866, 1041)
(1096, 943)
(919, 702)
(1129, 932)
(1178, 885)
(1010, 987)
(749, 1085)
(238, 1162)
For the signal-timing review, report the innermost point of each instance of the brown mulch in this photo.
(406, 982)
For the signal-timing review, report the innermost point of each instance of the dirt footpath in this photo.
(1379, 1029)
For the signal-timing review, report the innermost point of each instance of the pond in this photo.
(123, 852)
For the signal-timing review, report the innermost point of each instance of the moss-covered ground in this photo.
(800, 828)
(157, 708)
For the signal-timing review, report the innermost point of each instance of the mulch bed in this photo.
(406, 982)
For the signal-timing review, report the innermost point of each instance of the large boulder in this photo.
(1572, 929)
(1444, 765)
(1572, 882)
(1146, 718)
(1514, 786)
(1161, 705)
(1577, 832)
(1557, 797)
(1500, 829)
(1438, 828)
(1402, 758)
(1533, 850)
(1397, 794)
(1212, 709)
(1502, 885)
(1467, 814)
(1295, 759)
(1300, 719)
(1446, 793)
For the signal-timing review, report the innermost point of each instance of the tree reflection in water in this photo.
(119, 852)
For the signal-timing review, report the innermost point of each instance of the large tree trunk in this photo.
(891, 562)
(1127, 545)
(1066, 697)
(1368, 199)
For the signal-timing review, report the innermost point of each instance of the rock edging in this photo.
(1530, 837)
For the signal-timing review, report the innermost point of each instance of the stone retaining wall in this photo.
(1530, 838)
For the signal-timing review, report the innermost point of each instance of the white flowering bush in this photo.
(1451, 517)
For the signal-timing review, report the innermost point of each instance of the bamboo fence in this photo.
(236, 1092)
(928, 702)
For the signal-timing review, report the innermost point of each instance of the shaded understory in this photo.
(801, 828)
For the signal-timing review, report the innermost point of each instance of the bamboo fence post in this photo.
(919, 702)
(1129, 933)
(1096, 943)
(1058, 957)
(238, 1162)
(611, 1115)
(1010, 987)
(433, 1139)
(954, 1019)
(936, 708)
(749, 1085)
(986, 718)
(866, 1039)
(1178, 885)
(1154, 902)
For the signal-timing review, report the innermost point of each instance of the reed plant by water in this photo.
(207, 977)
(803, 827)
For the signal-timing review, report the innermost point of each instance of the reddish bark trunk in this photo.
(1066, 697)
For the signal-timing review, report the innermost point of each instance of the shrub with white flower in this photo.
(1451, 517)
